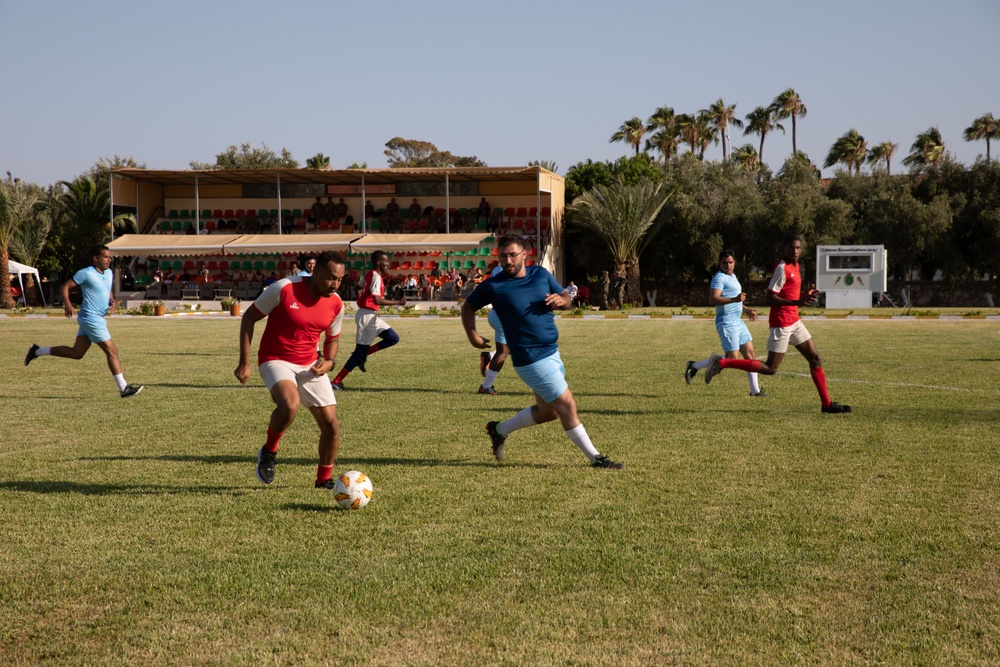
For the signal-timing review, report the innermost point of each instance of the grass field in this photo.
(742, 530)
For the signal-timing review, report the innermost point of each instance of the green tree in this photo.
(721, 116)
(631, 132)
(626, 217)
(408, 153)
(663, 131)
(318, 161)
(789, 105)
(927, 150)
(245, 156)
(19, 202)
(761, 121)
(747, 158)
(985, 127)
(689, 130)
(548, 165)
(882, 151)
(851, 150)
(30, 237)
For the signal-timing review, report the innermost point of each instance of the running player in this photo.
(490, 363)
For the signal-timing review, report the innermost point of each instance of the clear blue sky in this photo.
(509, 82)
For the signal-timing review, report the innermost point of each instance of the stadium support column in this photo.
(538, 213)
(280, 226)
(364, 207)
(447, 204)
(197, 207)
(111, 200)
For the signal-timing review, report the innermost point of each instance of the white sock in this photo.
(580, 438)
(491, 376)
(522, 419)
(493, 354)
(703, 364)
(120, 379)
(43, 351)
(754, 385)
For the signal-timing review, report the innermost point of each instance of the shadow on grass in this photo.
(56, 486)
(312, 507)
(343, 463)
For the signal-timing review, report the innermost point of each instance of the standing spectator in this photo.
(605, 290)
(619, 287)
(95, 283)
(414, 209)
(484, 208)
(784, 295)
(573, 291)
(369, 325)
(316, 212)
(369, 210)
(298, 309)
(340, 210)
(329, 210)
(524, 297)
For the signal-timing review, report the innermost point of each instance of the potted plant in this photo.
(232, 305)
(152, 308)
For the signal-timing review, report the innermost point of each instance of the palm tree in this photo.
(17, 202)
(747, 158)
(882, 151)
(761, 121)
(631, 133)
(789, 105)
(927, 150)
(318, 161)
(985, 127)
(663, 126)
(548, 165)
(689, 130)
(627, 217)
(850, 149)
(720, 116)
(707, 134)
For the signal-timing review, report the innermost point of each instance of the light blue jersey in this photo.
(730, 286)
(96, 289)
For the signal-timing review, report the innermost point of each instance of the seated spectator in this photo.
(410, 283)
(478, 277)
(425, 286)
(583, 296)
(414, 209)
(157, 276)
(271, 279)
(573, 291)
(202, 276)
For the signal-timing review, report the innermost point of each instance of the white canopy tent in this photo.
(20, 270)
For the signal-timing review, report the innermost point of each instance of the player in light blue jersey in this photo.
(728, 297)
(95, 283)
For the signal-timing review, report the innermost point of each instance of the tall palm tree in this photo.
(707, 134)
(627, 218)
(761, 121)
(747, 158)
(789, 105)
(882, 151)
(663, 127)
(630, 132)
(17, 202)
(927, 150)
(721, 116)
(850, 149)
(318, 161)
(689, 130)
(985, 127)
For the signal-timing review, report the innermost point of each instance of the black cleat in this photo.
(836, 409)
(265, 466)
(484, 361)
(498, 440)
(760, 395)
(487, 390)
(690, 372)
(713, 368)
(131, 390)
(328, 484)
(604, 462)
(32, 354)
(337, 386)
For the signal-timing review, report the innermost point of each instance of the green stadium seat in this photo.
(296, 212)
(164, 225)
(175, 225)
(173, 213)
(258, 265)
(269, 266)
(207, 213)
(246, 265)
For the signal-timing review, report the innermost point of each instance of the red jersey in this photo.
(786, 282)
(295, 320)
(373, 286)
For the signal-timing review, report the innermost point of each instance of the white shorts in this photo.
(314, 390)
(370, 325)
(781, 337)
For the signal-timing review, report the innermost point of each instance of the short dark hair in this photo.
(328, 256)
(726, 253)
(378, 254)
(792, 237)
(510, 239)
(98, 249)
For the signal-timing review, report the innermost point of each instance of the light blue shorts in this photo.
(96, 330)
(546, 377)
(494, 321)
(733, 335)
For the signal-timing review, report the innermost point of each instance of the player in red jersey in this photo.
(370, 325)
(298, 309)
(784, 295)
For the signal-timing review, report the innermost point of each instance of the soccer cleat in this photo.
(760, 395)
(487, 390)
(265, 466)
(690, 372)
(337, 386)
(131, 390)
(836, 408)
(498, 440)
(713, 368)
(32, 354)
(484, 361)
(604, 462)
(328, 484)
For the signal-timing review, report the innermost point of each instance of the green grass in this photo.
(742, 530)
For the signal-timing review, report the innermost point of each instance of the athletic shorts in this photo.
(96, 330)
(494, 321)
(781, 337)
(733, 335)
(370, 325)
(546, 377)
(314, 390)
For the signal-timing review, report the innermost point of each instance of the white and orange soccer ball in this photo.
(353, 490)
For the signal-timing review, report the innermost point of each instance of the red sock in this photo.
(323, 473)
(341, 375)
(271, 445)
(373, 349)
(819, 379)
(748, 365)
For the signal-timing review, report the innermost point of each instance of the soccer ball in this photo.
(353, 490)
